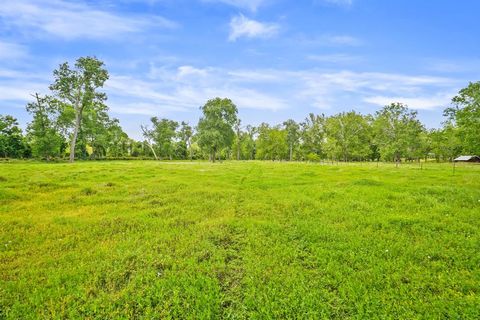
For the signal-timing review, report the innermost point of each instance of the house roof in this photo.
(466, 158)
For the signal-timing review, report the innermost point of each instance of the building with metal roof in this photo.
(467, 159)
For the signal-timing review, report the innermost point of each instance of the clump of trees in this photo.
(12, 142)
(70, 122)
(73, 122)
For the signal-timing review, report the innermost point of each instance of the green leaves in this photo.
(466, 116)
(12, 143)
(77, 89)
(348, 136)
(215, 128)
(397, 130)
(163, 134)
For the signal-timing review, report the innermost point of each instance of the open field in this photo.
(238, 240)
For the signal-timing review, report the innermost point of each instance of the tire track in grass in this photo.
(231, 243)
(242, 190)
(231, 272)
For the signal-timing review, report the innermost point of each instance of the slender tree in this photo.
(238, 137)
(186, 134)
(77, 88)
(293, 135)
(148, 134)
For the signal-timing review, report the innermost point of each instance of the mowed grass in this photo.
(260, 240)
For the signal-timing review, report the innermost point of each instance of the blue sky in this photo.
(276, 59)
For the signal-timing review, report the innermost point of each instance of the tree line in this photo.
(73, 122)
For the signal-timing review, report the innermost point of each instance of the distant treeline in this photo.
(73, 122)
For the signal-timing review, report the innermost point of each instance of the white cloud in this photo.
(334, 58)
(240, 26)
(328, 40)
(255, 76)
(250, 98)
(9, 50)
(331, 90)
(175, 90)
(467, 65)
(185, 88)
(20, 91)
(252, 5)
(18, 86)
(419, 103)
(186, 71)
(70, 20)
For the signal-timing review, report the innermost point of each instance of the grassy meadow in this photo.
(237, 240)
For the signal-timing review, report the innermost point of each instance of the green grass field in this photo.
(261, 240)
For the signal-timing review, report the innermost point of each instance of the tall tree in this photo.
(312, 134)
(348, 136)
(445, 143)
(215, 128)
(465, 114)
(43, 132)
(77, 88)
(95, 130)
(238, 138)
(293, 134)
(271, 143)
(244, 143)
(164, 132)
(118, 143)
(396, 128)
(148, 134)
(186, 134)
(249, 142)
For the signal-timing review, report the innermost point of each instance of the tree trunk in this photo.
(153, 150)
(291, 152)
(190, 150)
(73, 142)
(213, 156)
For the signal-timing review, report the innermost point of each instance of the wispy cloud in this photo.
(170, 90)
(330, 90)
(329, 40)
(185, 88)
(252, 5)
(419, 102)
(342, 3)
(71, 20)
(241, 26)
(342, 40)
(335, 58)
(466, 65)
(9, 50)
(186, 71)
(17, 86)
